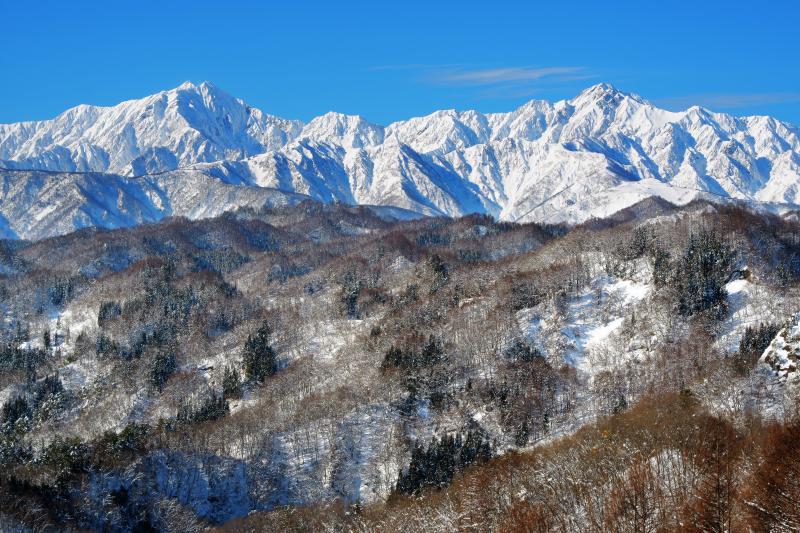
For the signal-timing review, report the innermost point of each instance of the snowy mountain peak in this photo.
(171, 129)
(204, 87)
(599, 90)
(186, 86)
(351, 131)
(567, 161)
(605, 95)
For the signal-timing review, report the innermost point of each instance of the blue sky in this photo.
(393, 60)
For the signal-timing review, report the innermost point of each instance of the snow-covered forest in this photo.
(322, 367)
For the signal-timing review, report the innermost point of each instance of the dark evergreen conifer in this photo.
(46, 340)
(436, 465)
(162, 368)
(700, 275)
(231, 383)
(754, 341)
(258, 357)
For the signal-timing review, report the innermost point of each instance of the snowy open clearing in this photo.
(589, 321)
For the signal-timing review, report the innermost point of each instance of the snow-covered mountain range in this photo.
(567, 161)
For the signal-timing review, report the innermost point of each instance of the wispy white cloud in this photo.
(730, 100)
(495, 82)
(500, 76)
(409, 66)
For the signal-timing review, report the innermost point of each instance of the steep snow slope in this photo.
(568, 161)
(189, 124)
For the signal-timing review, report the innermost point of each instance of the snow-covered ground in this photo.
(749, 304)
(589, 323)
(783, 354)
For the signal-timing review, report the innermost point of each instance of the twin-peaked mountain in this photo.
(196, 151)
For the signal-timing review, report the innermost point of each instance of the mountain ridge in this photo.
(562, 162)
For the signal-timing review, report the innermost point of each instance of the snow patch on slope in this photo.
(749, 304)
(588, 322)
(783, 353)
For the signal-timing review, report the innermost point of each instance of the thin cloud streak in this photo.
(410, 66)
(731, 100)
(494, 83)
(497, 76)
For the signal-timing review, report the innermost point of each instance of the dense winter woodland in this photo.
(323, 367)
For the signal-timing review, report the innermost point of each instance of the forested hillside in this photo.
(327, 367)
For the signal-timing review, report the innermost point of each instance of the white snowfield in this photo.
(567, 161)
